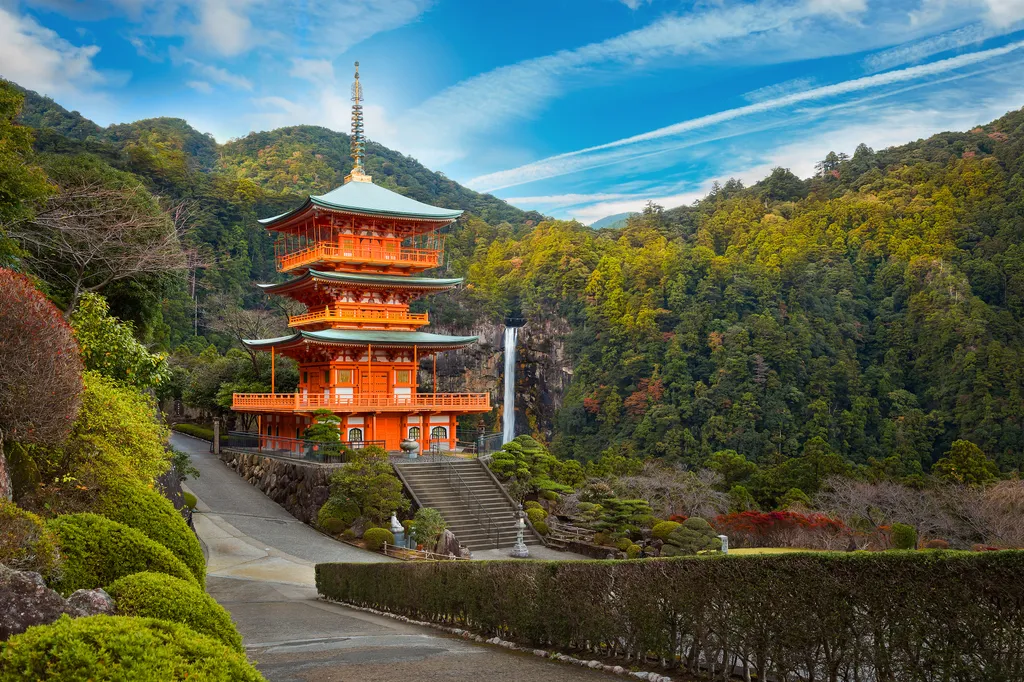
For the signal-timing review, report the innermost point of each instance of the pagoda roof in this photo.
(360, 338)
(366, 198)
(366, 280)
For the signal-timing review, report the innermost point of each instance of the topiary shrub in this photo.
(120, 648)
(633, 551)
(541, 527)
(158, 595)
(662, 529)
(190, 500)
(337, 514)
(376, 537)
(622, 544)
(26, 544)
(532, 504)
(98, 551)
(903, 536)
(146, 510)
(549, 495)
(936, 543)
(695, 535)
(536, 515)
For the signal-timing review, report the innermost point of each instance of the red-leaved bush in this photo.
(783, 529)
(40, 366)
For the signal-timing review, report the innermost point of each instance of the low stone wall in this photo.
(299, 487)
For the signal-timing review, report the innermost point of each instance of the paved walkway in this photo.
(260, 567)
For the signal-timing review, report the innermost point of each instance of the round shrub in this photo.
(633, 551)
(549, 495)
(190, 500)
(26, 544)
(376, 537)
(541, 527)
(937, 543)
(536, 515)
(157, 595)
(531, 504)
(622, 544)
(693, 536)
(98, 551)
(120, 648)
(146, 510)
(336, 515)
(904, 536)
(662, 529)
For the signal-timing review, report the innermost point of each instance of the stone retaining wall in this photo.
(299, 487)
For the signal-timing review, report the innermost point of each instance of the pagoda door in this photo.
(373, 383)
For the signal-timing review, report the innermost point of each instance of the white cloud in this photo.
(223, 26)
(1005, 12)
(213, 73)
(634, 4)
(598, 155)
(39, 59)
(921, 49)
(319, 71)
(779, 89)
(200, 86)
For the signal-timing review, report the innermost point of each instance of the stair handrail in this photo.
(479, 509)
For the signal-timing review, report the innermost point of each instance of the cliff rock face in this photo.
(543, 372)
(299, 487)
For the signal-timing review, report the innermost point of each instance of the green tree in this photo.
(369, 483)
(325, 427)
(109, 346)
(967, 464)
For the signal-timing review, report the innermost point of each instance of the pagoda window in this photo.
(414, 433)
(305, 377)
(355, 435)
(402, 376)
(439, 433)
(327, 376)
(344, 376)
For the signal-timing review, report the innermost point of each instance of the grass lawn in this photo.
(741, 551)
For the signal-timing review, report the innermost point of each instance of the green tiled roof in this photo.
(355, 278)
(370, 199)
(343, 337)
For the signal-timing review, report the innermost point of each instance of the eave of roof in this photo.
(359, 337)
(368, 280)
(366, 198)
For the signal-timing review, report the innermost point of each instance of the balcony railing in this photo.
(399, 257)
(362, 316)
(371, 402)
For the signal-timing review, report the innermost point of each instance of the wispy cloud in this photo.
(213, 73)
(38, 58)
(597, 155)
(318, 71)
(200, 86)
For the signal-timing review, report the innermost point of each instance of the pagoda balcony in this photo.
(365, 402)
(361, 316)
(403, 258)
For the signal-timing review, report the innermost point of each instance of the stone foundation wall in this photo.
(299, 487)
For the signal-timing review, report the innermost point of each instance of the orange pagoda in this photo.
(355, 255)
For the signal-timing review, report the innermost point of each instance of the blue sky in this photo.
(579, 109)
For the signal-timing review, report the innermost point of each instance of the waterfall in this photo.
(508, 415)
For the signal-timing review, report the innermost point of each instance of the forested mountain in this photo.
(858, 321)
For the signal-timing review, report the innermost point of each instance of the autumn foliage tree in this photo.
(40, 369)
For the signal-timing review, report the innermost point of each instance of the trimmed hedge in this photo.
(120, 648)
(196, 430)
(157, 595)
(148, 511)
(823, 616)
(26, 544)
(98, 551)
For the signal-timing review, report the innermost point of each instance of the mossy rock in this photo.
(97, 551)
(158, 595)
(146, 510)
(26, 544)
(120, 648)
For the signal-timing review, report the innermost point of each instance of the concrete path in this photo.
(260, 568)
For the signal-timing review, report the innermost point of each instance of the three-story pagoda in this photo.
(355, 256)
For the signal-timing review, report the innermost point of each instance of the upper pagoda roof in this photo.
(366, 198)
(370, 281)
(360, 337)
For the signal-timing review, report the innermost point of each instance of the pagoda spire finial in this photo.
(358, 143)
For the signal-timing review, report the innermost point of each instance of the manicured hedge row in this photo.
(908, 616)
(196, 430)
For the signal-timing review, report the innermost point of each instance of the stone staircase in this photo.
(458, 489)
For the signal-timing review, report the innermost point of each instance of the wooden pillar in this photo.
(272, 367)
(435, 372)
(415, 371)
